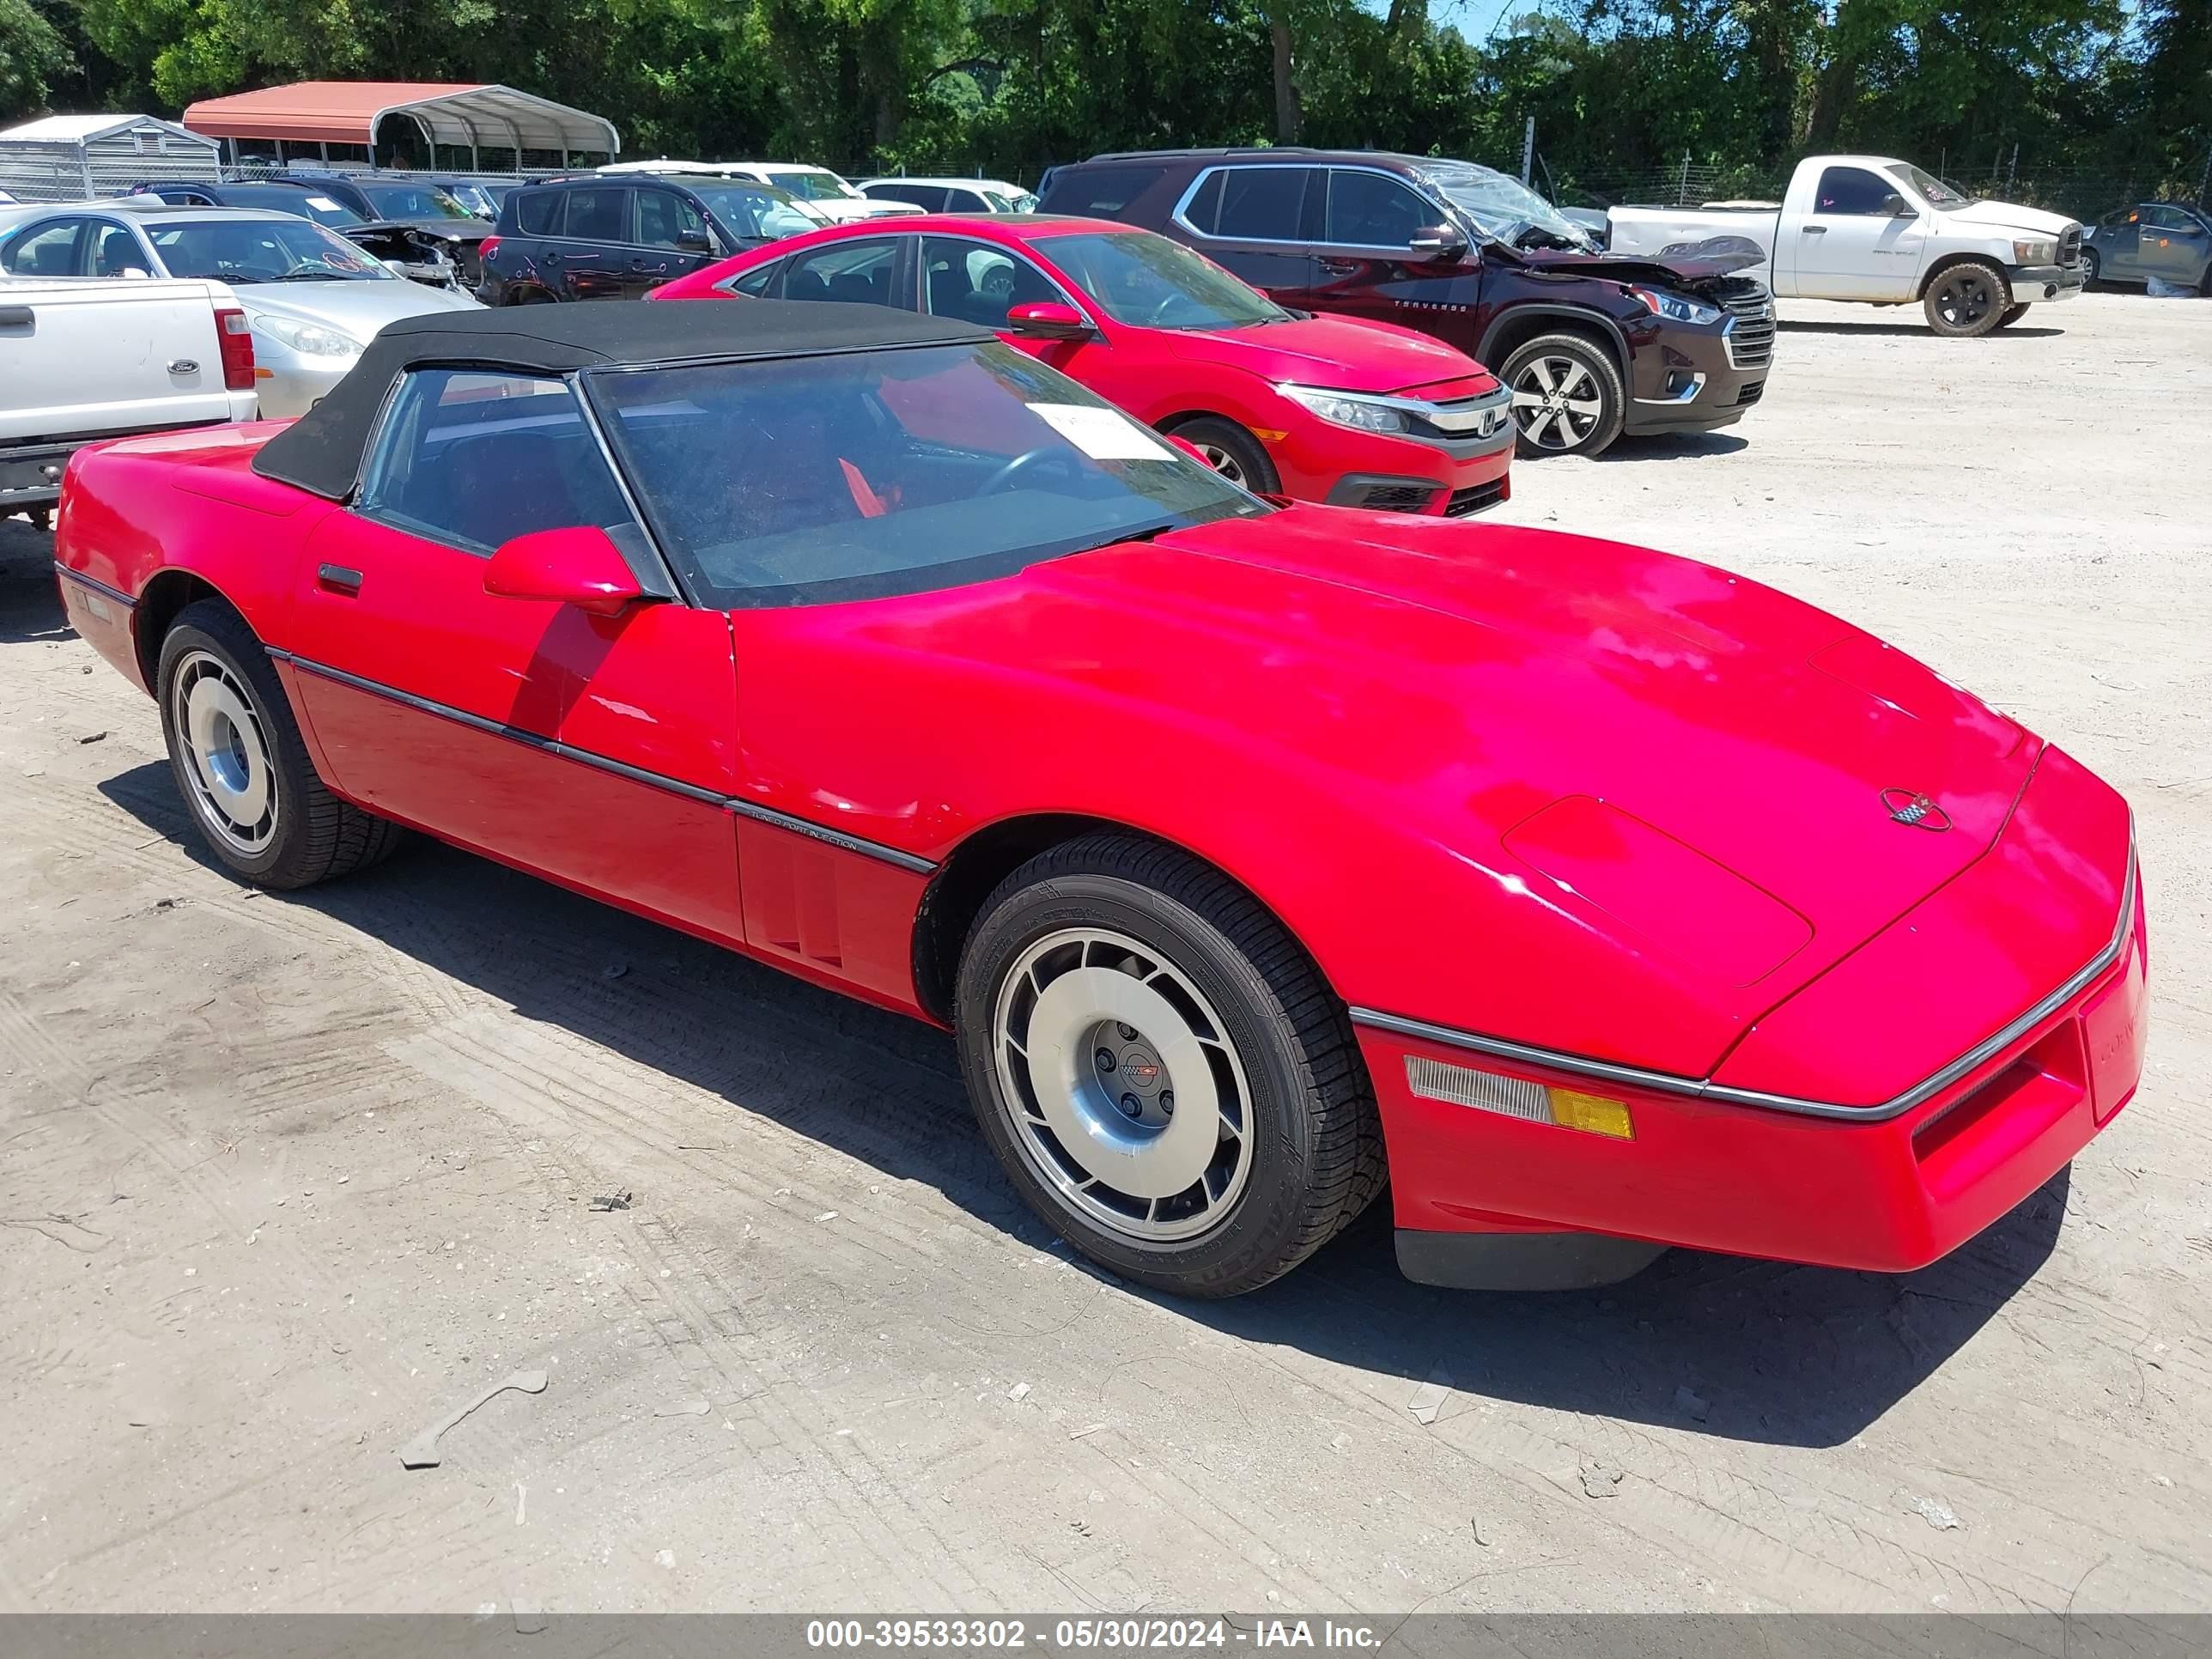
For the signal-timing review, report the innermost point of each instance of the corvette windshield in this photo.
(1148, 281)
(812, 480)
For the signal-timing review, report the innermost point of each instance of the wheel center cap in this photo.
(1142, 1069)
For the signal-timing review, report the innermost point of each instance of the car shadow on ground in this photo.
(1672, 447)
(30, 605)
(2017, 331)
(1747, 1350)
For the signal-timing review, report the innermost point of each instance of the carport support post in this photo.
(1528, 149)
(1682, 194)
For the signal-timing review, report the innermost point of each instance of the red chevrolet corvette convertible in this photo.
(1593, 900)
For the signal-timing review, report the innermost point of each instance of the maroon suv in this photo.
(1592, 346)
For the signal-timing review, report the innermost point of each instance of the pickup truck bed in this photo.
(80, 361)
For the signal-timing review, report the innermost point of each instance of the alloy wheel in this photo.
(1126, 1094)
(1965, 298)
(1557, 401)
(1224, 463)
(226, 752)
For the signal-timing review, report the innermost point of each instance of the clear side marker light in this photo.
(1513, 1096)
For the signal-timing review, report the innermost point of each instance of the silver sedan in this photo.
(313, 298)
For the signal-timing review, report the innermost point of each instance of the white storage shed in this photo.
(68, 158)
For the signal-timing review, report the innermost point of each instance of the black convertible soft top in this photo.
(321, 451)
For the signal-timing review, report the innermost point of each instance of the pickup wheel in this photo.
(1162, 1070)
(1567, 396)
(1967, 300)
(240, 765)
(1233, 452)
(2013, 314)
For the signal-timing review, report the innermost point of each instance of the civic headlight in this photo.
(1675, 309)
(2035, 252)
(1347, 408)
(308, 340)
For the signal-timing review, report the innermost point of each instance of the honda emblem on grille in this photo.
(1915, 811)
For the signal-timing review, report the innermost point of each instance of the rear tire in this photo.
(2091, 264)
(1966, 300)
(1233, 452)
(2013, 314)
(1567, 396)
(1106, 976)
(240, 763)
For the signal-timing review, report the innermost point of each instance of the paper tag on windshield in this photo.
(1103, 434)
(324, 203)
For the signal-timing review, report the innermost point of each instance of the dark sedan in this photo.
(2165, 241)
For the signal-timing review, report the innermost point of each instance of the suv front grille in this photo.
(1750, 332)
(2069, 245)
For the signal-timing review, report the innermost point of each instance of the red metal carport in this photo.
(322, 113)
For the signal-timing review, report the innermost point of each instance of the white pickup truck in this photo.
(83, 360)
(1881, 231)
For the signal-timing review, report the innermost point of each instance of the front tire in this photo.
(1233, 452)
(241, 766)
(1567, 396)
(1967, 300)
(1161, 1069)
(2093, 267)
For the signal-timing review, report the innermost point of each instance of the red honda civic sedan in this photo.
(1257, 856)
(1321, 409)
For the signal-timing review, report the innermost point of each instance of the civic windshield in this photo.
(1148, 281)
(411, 202)
(1936, 192)
(262, 251)
(754, 211)
(1503, 207)
(812, 480)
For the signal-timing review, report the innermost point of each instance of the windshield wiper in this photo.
(1142, 533)
(310, 277)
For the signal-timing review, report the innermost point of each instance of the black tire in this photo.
(1317, 1158)
(1966, 300)
(2013, 314)
(2092, 265)
(312, 835)
(1536, 369)
(1233, 452)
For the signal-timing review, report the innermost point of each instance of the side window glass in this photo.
(854, 273)
(978, 283)
(663, 216)
(1366, 209)
(474, 460)
(537, 212)
(758, 284)
(48, 250)
(1103, 192)
(1852, 189)
(595, 216)
(116, 252)
(1205, 210)
(1262, 205)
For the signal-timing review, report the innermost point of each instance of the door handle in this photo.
(336, 578)
(1339, 267)
(15, 317)
(551, 256)
(1816, 230)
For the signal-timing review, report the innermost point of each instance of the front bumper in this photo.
(1429, 476)
(1694, 377)
(2037, 284)
(1891, 1186)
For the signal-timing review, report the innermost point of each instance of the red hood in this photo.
(1335, 352)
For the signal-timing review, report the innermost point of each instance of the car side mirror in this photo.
(1437, 242)
(581, 567)
(1897, 208)
(693, 241)
(1047, 319)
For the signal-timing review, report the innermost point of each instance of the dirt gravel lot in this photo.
(284, 1180)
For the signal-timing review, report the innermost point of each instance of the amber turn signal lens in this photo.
(1513, 1096)
(1593, 1114)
